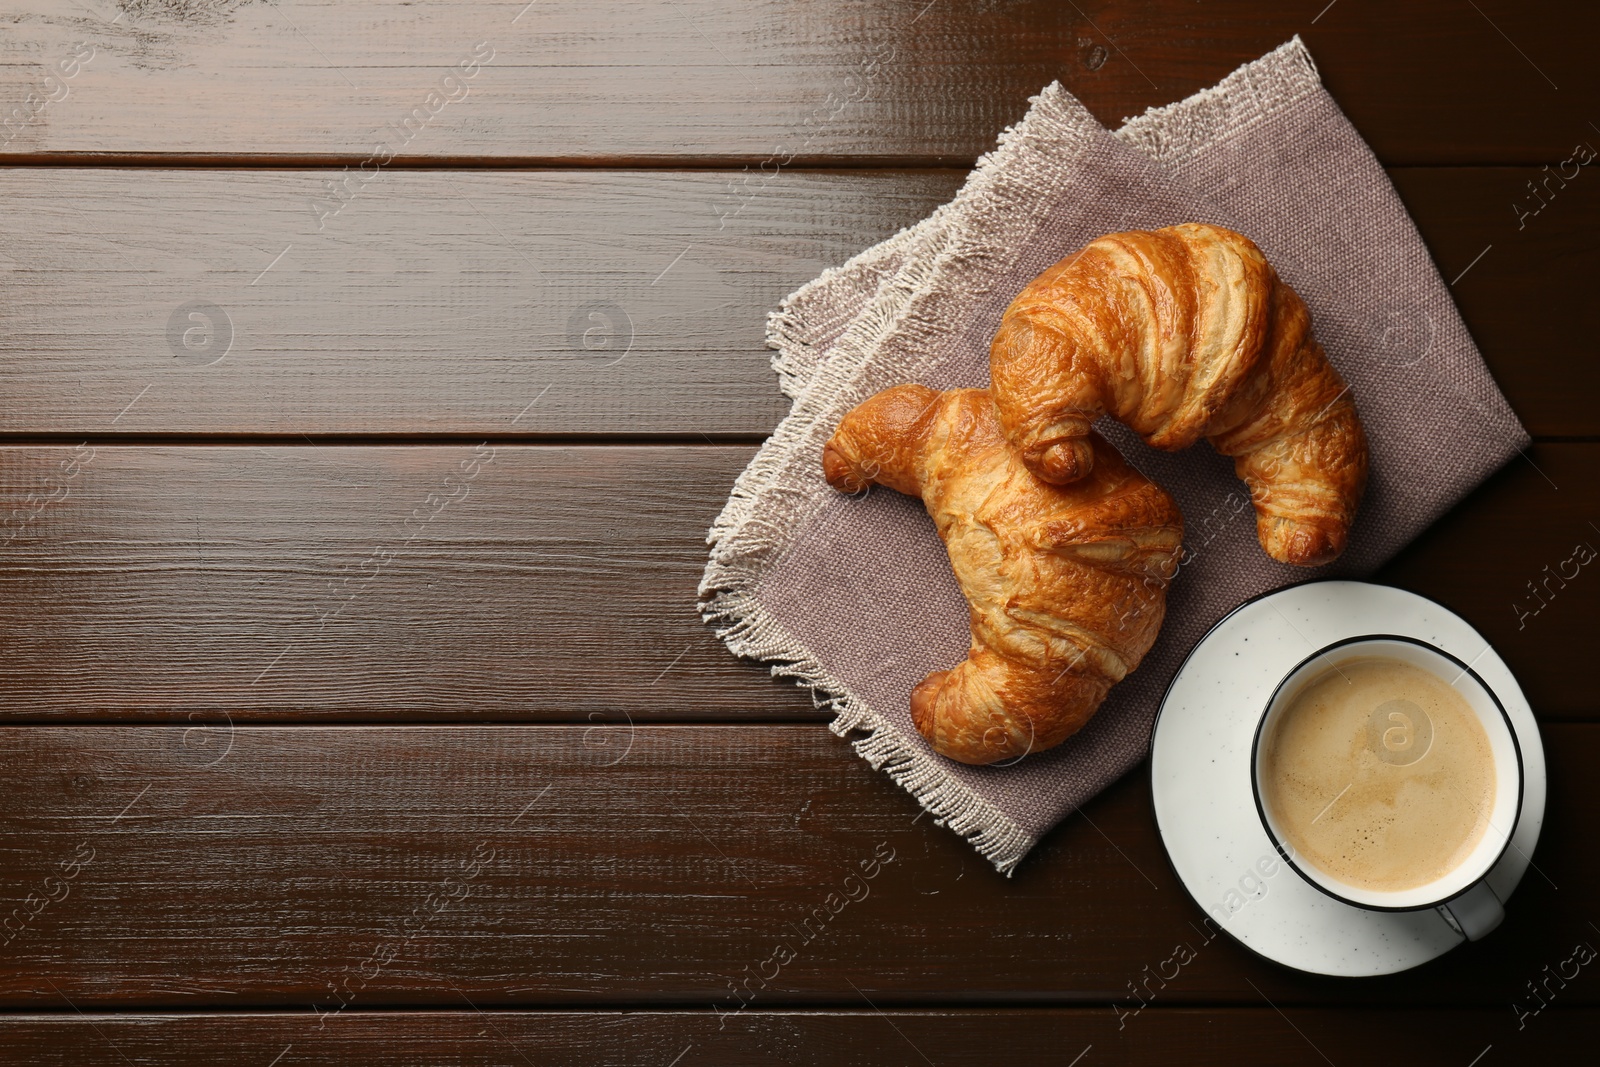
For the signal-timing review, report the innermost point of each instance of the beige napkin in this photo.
(854, 597)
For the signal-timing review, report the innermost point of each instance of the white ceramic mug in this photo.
(1461, 895)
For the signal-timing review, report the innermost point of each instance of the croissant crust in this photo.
(1066, 584)
(1186, 333)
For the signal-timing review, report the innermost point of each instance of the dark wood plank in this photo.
(572, 303)
(387, 866)
(454, 581)
(839, 1038)
(890, 80)
(162, 583)
(448, 303)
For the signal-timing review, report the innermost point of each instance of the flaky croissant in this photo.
(1184, 333)
(1066, 585)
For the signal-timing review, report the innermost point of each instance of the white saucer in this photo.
(1200, 754)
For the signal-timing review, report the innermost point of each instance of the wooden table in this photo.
(356, 709)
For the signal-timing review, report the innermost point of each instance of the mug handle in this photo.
(1474, 913)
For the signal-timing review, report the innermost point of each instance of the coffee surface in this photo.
(1380, 774)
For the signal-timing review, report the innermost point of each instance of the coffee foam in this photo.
(1380, 774)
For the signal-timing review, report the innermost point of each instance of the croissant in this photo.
(1066, 585)
(1184, 333)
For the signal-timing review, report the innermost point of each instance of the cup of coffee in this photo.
(1389, 777)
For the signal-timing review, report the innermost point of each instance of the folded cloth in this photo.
(853, 596)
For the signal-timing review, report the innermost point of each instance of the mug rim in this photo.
(1285, 852)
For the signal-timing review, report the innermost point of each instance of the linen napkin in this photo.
(853, 596)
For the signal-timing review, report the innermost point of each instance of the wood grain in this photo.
(533, 865)
(422, 583)
(601, 303)
(889, 80)
(547, 302)
(1212, 1037)
(458, 581)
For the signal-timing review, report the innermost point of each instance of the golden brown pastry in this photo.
(1184, 333)
(1066, 584)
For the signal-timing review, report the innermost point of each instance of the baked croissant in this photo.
(1066, 584)
(1184, 333)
